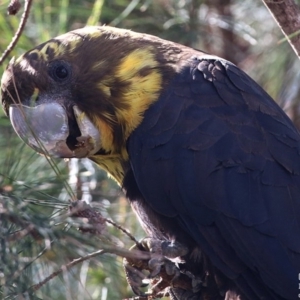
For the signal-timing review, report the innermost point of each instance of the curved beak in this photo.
(45, 128)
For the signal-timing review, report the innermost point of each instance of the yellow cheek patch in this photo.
(140, 70)
(134, 62)
(142, 92)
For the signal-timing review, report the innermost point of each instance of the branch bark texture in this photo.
(287, 15)
(18, 34)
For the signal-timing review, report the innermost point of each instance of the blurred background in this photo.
(37, 236)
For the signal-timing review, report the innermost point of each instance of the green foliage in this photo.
(37, 236)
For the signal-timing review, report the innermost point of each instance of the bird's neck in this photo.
(136, 85)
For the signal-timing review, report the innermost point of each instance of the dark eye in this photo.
(60, 71)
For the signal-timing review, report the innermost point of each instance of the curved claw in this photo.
(134, 277)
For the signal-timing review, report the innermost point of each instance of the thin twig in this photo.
(18, 33)
(110, 250)
(123, 230)
(66, 267)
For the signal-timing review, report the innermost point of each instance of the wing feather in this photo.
(223, 159)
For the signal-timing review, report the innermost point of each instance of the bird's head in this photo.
(83, 93)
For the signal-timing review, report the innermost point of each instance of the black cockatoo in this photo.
(206, 157)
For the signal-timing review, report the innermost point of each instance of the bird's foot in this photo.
(161, 270)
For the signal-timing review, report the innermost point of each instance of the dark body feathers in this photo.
(216, 157)
(206, 157)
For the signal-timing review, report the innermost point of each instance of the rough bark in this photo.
(287, 15)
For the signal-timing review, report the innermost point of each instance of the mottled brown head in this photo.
(111, 75)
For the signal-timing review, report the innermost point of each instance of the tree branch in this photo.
(287, 15)
(65, 268)
(17, 35)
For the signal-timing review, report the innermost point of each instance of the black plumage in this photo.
(218, 156)
(206, 157)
